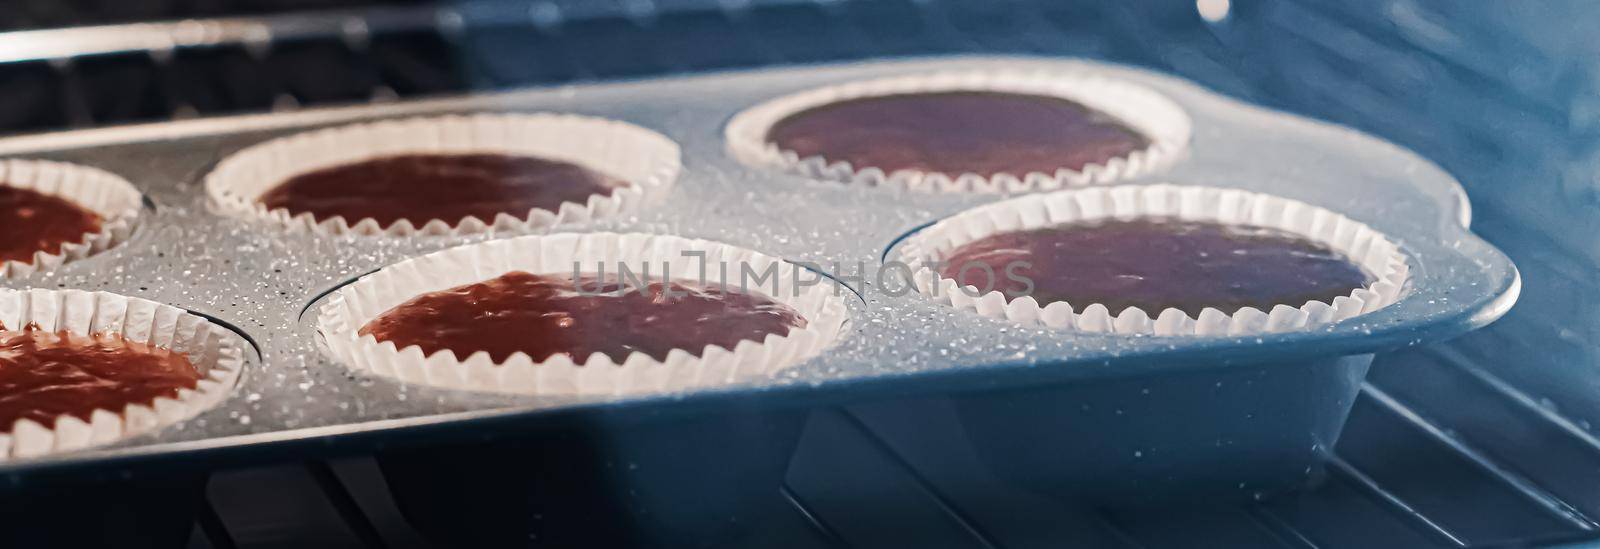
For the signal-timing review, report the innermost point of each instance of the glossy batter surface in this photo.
(1157, 264)
(448, 187)
(44, 375)
(958, 132)
(31, 221)
(545, 315)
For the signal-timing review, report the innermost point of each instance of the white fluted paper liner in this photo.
(1354, 240)
(113, 198)
(353, 306)
(1160, 120)
(648, 161)
(218, 353)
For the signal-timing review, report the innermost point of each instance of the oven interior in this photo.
(1485, 441)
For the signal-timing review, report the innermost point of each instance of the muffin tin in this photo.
(268, 284)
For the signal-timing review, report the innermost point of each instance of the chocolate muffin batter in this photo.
(34, 221)
(44, 375)
(544, 315)
(954, 133)
(450, 187)
(1155, 264)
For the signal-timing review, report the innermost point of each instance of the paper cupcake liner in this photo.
(113, 198)
(355, 305)
(1159, 119)
(217, 352)
(646, 160)
(1354, 240)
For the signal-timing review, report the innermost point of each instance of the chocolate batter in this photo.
(44, 375)
(451, 187)
(1159, 263)
(31, 221)
(544, 315)
(958, 132)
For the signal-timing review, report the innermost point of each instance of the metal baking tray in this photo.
(293, 401)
